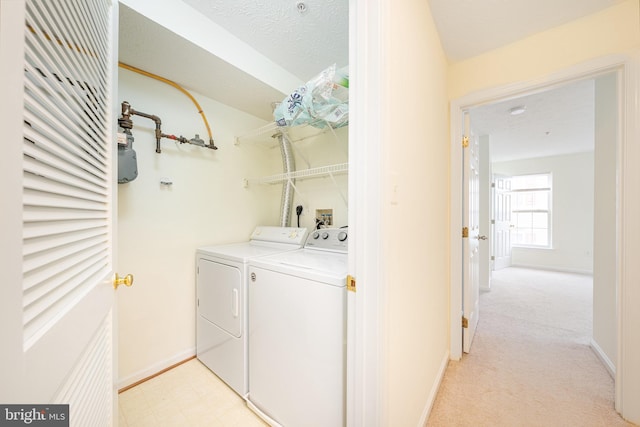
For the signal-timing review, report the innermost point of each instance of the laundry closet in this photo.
(188, 196)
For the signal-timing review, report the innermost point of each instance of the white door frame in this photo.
(366, 387)
(628, 228)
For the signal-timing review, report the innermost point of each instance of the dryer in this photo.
(221, 298)
(297, 333)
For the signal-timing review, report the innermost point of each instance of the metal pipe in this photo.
(156, 119)
(288, 166)
(181, 89)
(125, 122)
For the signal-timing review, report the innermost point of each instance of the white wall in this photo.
(605, 244)
(413, 233)
(327, 192)
(160, 227)
(572, 212)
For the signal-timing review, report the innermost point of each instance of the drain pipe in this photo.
(288, 166)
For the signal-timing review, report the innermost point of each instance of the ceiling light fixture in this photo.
(301, 6)
(517, 110)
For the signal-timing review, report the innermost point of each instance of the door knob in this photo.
(482, 237)
(126, 280)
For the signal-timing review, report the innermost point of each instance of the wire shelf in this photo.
(330, 170)
(258, 135)
(265, 135)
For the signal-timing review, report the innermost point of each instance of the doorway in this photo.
(462, 105)
(557, 159)
(540, 171)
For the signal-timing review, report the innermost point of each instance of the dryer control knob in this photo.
(325, 235)
(315, 235)
(342, 236)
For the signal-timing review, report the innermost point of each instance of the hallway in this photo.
(530, 362)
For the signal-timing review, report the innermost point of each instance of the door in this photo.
(219, 295)
(470, 236)
(58, 186)
(502, 221)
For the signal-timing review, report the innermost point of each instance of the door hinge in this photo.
(465, 232)
(493, 222)
(493, 258)
(351, 283)
(465, 322)
(465, 141)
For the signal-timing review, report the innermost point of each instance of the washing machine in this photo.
(221, 291)
(297, 333)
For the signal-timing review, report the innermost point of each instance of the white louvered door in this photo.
(58, 183)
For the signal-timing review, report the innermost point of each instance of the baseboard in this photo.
(486, 287)
(434, 390)
(603, 358)
(558, 269)
(151, 371)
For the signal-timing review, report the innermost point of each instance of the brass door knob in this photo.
(126, 280)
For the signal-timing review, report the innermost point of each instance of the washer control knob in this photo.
(342, 236)
(315, 235)
(325, 235)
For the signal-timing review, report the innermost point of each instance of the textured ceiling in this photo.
(304, 43)
(151, 47)
(557, 121)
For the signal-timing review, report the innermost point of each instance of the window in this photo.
(531, 210)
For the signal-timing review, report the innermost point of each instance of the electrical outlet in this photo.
(325, 216)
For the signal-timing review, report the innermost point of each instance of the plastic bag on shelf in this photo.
(322, 101)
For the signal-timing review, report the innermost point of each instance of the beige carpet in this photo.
(530, 362)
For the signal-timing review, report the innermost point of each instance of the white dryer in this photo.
(297, 333)
(221, 291)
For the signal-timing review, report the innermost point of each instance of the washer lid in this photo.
(265, 240)
(242, 252)
(327, 267)
(290, 235)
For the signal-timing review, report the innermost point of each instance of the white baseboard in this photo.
(486, 287)
(603, 358)
(155, 368)
(558, 269)
(434, 390)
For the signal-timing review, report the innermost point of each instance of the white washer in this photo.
(221, 290)
(297, 333)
